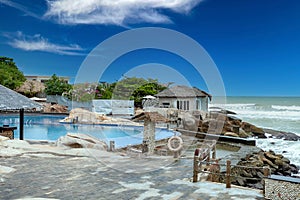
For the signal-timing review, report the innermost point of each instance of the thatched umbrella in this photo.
(11, 100)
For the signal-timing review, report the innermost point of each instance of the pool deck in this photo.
(47, 172)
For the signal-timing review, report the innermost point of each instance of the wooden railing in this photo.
(202, 157)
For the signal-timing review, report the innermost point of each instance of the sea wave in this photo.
(256, 111)
(261, 114)
(234, 106)
(295, 108)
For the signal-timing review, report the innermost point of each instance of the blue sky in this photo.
(254, 43)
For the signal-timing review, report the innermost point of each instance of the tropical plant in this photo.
(136, 88)
(10, 75)
(56, 86)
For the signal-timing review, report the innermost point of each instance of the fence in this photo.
(212, 168)
(102, 106)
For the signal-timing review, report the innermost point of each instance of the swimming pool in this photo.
(47, 127)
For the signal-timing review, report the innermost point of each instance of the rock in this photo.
(243, 133)
(81, 141)
(283, 135)
(259, 132)
(190, 123)
(246, 174)
(287, 173)
(6, 170)
(227, 127)
(231, 134)
(56, 108)
(82, 116)
(2, 138)
(294, 168)
(278, 162)
(240, 181)
(286, 160)
(267, 161)
(270, 155)
(260, 175)
(257, 186)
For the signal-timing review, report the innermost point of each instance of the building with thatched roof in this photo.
(184, 98)
(11, 101)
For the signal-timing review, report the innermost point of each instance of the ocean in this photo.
(278, 113)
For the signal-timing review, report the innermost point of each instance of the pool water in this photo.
(47, 127)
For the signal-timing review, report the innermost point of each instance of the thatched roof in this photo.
(31, 86)
(11, 100)
(152, 116)
(182, 91)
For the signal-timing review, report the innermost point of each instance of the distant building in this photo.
(184, 98)
(43, 79)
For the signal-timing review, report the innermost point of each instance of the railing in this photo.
(203, 154)
(212, 168)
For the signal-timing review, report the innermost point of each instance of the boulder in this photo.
(204, 126)
(3, 138)
(243, 133)
(259, 132)
(81, 141)
(271, 155)
(231, 134)
(283, 135)
(55, 108)
(190, 123)
(276, 162)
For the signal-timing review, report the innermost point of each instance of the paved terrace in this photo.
(42, 171)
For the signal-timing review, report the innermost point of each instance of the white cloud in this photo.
(116, 12)
(38, 43)
(20, 6)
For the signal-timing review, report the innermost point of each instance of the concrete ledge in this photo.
(285, 178)
(220, 138)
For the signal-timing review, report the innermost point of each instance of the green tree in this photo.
(136, 88)
(105, 90)
(10, 75)
(56, 86)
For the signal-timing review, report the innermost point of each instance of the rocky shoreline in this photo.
(232, 126)
(252, 177)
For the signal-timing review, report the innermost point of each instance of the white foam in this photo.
(254, 111)
(295, 108)
(233, 106)
(292, 148)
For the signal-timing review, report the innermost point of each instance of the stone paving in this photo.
(103, 175)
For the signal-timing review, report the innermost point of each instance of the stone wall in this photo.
(280, 189)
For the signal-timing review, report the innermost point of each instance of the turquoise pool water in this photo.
(47, 127)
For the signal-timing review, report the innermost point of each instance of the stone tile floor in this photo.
(104, 175)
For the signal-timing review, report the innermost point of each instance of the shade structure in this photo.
(11, 100)
(149, 97)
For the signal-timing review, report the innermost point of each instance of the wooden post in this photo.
(214, 154)
(208, 156)
(21, 124)
(196, 166)
(228, 172)
(111, 145)
(266, 171)
(266, 174)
